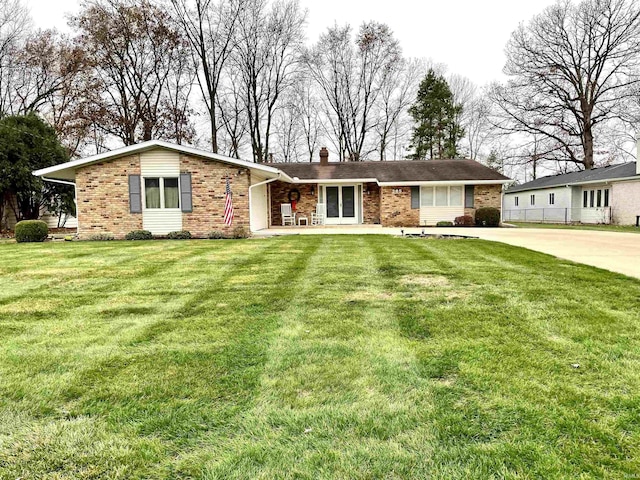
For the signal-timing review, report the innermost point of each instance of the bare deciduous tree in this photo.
(475, 117)
(268, 56)
(233, 116)
(570, 68)
(210, 27)
(397, 92)
(351, 75)
(134, 48)
(15, 25)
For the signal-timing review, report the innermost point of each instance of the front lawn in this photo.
(315, 357)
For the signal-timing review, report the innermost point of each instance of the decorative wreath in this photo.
(294, 195)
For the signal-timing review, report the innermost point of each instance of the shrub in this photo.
(179, 235)
(139, 235)
(101, 237)
(487, 217)
(240, 232)
(444, 223)
(464, 221)
(31, 231)
(215, 235)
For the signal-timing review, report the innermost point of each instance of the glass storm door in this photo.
(333, 202)
(342, 204)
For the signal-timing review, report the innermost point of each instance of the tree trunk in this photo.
(588, 147)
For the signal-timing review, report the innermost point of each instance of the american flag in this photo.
(228, 205)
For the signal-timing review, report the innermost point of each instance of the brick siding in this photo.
(103, 197)
(208, 185)
(395, 208)
(485, 196)
(371, 203)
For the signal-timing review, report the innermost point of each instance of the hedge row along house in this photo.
(162, 187)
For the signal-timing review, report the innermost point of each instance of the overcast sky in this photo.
(467, 35)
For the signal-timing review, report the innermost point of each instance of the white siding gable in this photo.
(160, 163)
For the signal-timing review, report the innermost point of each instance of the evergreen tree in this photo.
(28, 144)
(437, 131)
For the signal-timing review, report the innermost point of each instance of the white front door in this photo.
(342, 204)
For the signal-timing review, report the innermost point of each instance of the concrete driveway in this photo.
(618, 252)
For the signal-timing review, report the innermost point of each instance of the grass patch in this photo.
(315, 357)
(602, 228)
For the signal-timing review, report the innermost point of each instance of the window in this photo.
(455, 196)
(426, 196)
(585, 198)
(606, 197)
(592, 197)
(599, 200)
(442, 196)
(171, 193)
(533, 199)
(152, 192)
(552, 199)
(516, 201)
(161, 193)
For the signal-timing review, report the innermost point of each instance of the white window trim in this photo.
(433, 197)
(162, 207)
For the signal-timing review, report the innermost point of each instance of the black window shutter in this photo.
(415, 197)
(186, 203)
(135, 194)
(468, 196)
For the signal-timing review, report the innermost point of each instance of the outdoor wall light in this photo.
(313, 190)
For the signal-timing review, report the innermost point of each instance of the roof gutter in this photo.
(445, 182)
(53, 180)
(333, 181)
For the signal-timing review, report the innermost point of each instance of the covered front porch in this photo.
(335, 203)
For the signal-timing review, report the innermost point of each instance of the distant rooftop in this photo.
(611, 172)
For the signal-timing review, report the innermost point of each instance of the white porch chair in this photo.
(318, 217)
(288, 217)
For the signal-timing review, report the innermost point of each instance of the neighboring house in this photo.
(162, 187)
(9, 220)
(602, 195)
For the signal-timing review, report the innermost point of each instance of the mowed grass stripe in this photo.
(333, 398)
(484, 335)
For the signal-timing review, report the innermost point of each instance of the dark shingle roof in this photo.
(393, 171)
(623, 170)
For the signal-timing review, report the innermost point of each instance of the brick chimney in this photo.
(324, 156)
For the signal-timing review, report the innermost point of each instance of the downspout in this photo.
(75, 194)
(268, 205)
